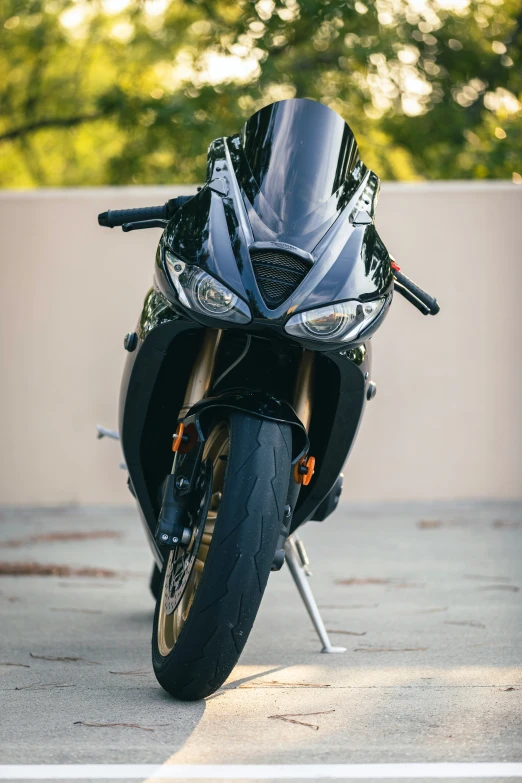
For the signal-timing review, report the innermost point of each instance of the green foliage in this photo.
(133, 91)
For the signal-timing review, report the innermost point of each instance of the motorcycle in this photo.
(248, 374)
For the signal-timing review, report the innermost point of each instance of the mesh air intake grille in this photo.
(278, 274)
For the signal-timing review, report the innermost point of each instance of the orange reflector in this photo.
(178, 436)
(304, 470)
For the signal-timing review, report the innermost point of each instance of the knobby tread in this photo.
(238, 562)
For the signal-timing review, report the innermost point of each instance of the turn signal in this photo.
(178, 436)
(304, 470)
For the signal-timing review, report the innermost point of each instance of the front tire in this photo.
(195, 648)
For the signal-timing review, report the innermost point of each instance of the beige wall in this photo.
(447, 419)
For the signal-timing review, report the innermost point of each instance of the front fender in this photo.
(260, 404)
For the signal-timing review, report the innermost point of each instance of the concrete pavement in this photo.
(427, 599)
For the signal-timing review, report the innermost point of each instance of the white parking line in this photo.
(259, 771)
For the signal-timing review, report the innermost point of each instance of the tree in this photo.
(133, 91)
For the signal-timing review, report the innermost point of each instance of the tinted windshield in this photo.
(299, 153)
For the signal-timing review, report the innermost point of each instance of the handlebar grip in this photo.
(428, 301)
(117, 217)
(410, 298)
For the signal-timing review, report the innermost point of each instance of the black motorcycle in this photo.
(248, 373)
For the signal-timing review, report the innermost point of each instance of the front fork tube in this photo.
(302, 404)
(170, 530)
(304, 388)
(202, 371)
(201, 376)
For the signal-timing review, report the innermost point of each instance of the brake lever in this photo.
(139, 224)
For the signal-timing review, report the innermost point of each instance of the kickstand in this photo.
(298, 565)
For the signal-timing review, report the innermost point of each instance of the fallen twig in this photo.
(348, 606)
(363, 581)
(390, 649)
(79, 611)
(66, 659)
(100, 585)
(290, 718)
(112, 725)
(430, 524)
(58, 536)
(48, 569)
(8, 663)
(42, 686)
(275, 684)
(357, 581)
(348, 633)
(136, 671)
(469, 623)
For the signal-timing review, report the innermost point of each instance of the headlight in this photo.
(340, 322)
(202, 292)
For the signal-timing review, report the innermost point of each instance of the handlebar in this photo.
(427, 304)
(121, 217)
(157, 217)
(117, 217)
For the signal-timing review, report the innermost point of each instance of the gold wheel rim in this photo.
(171, 625)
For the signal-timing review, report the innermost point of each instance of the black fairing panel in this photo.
(200, 234)
(360, 271)
(153, 388)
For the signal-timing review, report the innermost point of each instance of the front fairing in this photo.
(216, 228)
(297, 164)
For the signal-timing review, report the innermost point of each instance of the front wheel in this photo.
(196, 645)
